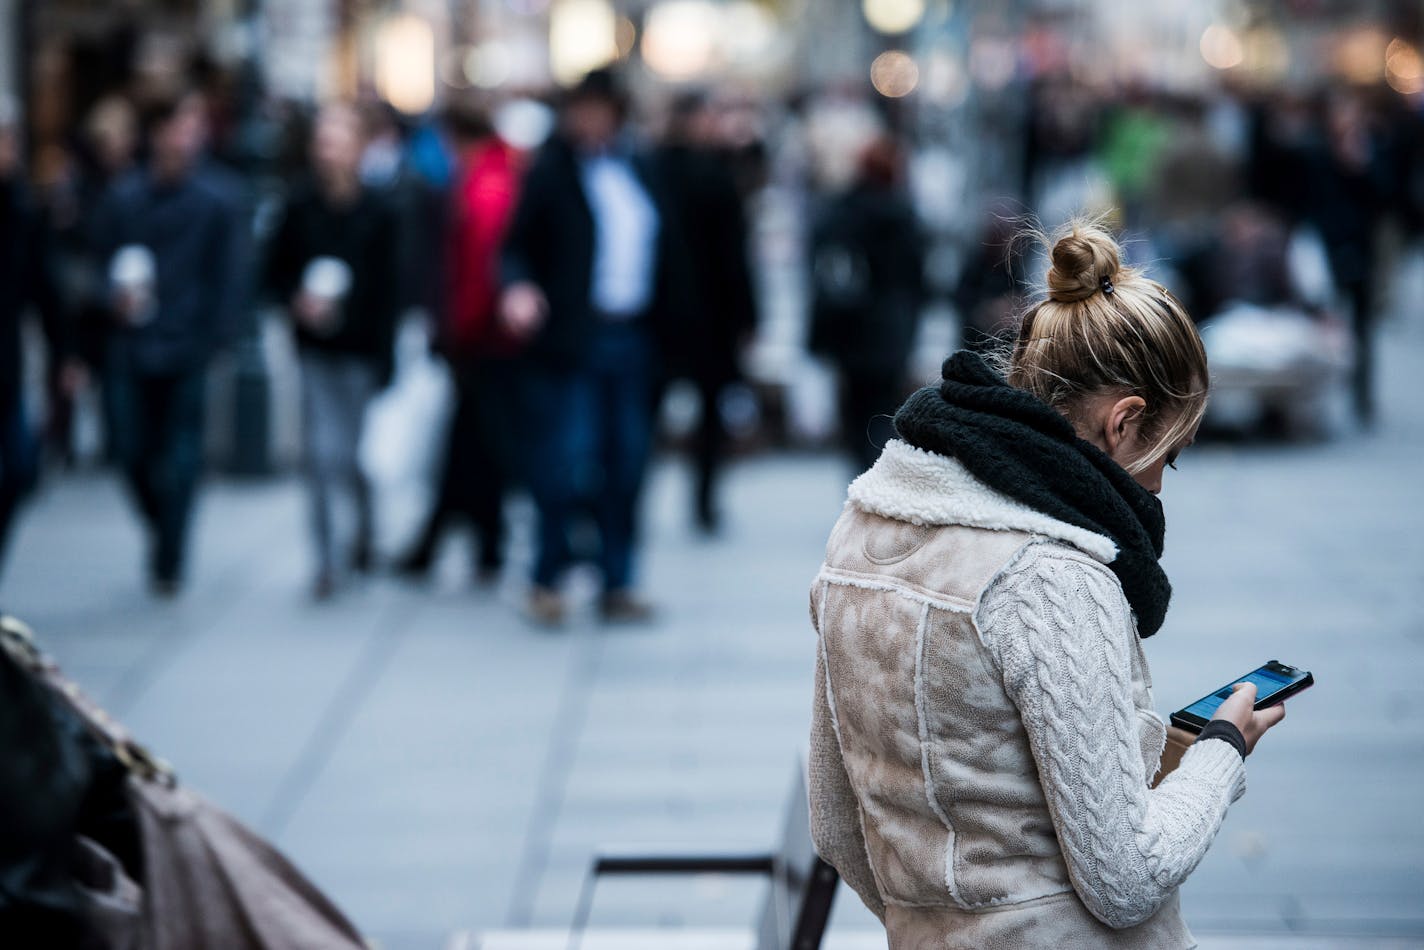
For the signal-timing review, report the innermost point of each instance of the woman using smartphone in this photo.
(984, 738)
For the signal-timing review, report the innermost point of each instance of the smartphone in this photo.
(1275, 683)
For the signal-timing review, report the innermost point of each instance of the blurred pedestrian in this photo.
(397, 162)
(721, 317)
(979, 616)
(27, 279)
(1244, 260)
(587, 268)
(104, 153)
(867, 276)
(174, 236)
(333, 264)
(989, 293)
(1346, 202)
(1282, 135)
(1063, 121)
(477, 345)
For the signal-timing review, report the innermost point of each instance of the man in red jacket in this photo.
(480, 351)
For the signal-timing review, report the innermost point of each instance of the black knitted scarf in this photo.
(1023, 448)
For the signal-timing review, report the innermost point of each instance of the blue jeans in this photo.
(156, 427)
(592, 431)
(336, 389)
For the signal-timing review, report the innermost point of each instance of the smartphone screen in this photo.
(1268, 681)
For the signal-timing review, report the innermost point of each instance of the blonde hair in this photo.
(1102, 328)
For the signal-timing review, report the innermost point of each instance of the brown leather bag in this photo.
(209, 882)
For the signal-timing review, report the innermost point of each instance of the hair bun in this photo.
(1082, 261)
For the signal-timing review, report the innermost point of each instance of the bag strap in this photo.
(18, 642)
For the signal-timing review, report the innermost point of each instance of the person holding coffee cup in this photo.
(174, 241)
(333, 264)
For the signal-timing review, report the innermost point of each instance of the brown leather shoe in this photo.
(546, 606)
(621, 606)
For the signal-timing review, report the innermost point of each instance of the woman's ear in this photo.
(1120, 426)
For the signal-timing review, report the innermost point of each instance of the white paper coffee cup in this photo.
(133, 271)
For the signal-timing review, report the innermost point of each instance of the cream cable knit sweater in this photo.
(1059, 629)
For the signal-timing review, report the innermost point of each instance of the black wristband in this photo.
(1222, 729)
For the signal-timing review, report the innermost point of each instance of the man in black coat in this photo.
(867, 275)
(175, 238)
(588, 273)
(721, 316)
(1349, 183)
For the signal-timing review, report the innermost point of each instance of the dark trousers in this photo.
(868, 402)
(18, 465)
(1362, 377)
(475, 474)
(156, 425)
(708, 443)
(591, 435)
(710, 447)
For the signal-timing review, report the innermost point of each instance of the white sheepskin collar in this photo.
(910, 484)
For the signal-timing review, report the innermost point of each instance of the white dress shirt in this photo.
(625, 235)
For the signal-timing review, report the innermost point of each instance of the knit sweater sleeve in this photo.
(1059, 628)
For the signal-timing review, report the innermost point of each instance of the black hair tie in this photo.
(1107, 286)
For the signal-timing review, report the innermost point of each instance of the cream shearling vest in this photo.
(926, 792)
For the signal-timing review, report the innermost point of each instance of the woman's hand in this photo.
(130, 306)
(523, 309)
(313, 312)
(1238, 710)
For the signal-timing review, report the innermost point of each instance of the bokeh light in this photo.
(583, 35)
(625, 36)
(1221, 47)
(894, 74)
(488, 65)
(1266, 53)
(893, 16)
(1360, 56)
(945, 81)
(993, 61)
(680, 38)
(453, 72)
(749, 31)
(405, 63)
(1403, 68)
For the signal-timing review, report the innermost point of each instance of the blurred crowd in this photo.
(575, 264)
(1274, 199)
(568, 284)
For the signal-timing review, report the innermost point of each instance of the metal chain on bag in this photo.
(19, 642)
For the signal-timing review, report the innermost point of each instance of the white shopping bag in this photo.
(403, 441)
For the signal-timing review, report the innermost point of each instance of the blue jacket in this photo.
(197, 231)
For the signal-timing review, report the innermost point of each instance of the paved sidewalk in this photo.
(440, 766)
